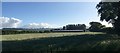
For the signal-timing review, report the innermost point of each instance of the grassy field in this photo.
(70, 41)
(43, 35)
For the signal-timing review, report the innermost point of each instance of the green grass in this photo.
(42, 35)
(79, 41)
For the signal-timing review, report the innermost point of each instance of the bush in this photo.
(41, 31)
(108, 30)
(46, 31)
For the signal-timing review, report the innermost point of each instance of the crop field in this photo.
(69, 41)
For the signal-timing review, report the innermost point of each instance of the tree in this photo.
(96, 26)
(83, 26)
(110, 12)
(107, 29)
(64, 27)
(75, 27)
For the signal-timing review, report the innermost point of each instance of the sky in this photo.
(48, 14)
(60, 0)
(52, 0)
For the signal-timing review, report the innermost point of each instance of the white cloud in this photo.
(38, 25)
(6, 22)
(106, 24)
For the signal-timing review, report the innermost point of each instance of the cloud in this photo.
(6, 22)
(106, 24)
(38, 25)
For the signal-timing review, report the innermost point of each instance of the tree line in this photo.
(6, 32)
(74, 27)
(94, 27)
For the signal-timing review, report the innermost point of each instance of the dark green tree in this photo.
(83, 26)
(110, 12)
(64, 28)
(75, 27)
(96, 26)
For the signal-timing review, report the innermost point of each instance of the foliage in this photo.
(75, 27)
(47, 31)
(96, 26)
(6, 32)
(110, 12)
(108, 30)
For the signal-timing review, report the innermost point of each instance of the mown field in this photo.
(57, 42)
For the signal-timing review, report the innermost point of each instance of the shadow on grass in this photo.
(86, 42)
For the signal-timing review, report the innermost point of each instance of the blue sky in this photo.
(53, 13)
(51, 0)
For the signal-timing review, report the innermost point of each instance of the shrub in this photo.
(47, 31)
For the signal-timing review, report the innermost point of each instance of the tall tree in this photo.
(110, 12)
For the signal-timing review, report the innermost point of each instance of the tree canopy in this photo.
(96, 26)
(110, 12)
(75, 27)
